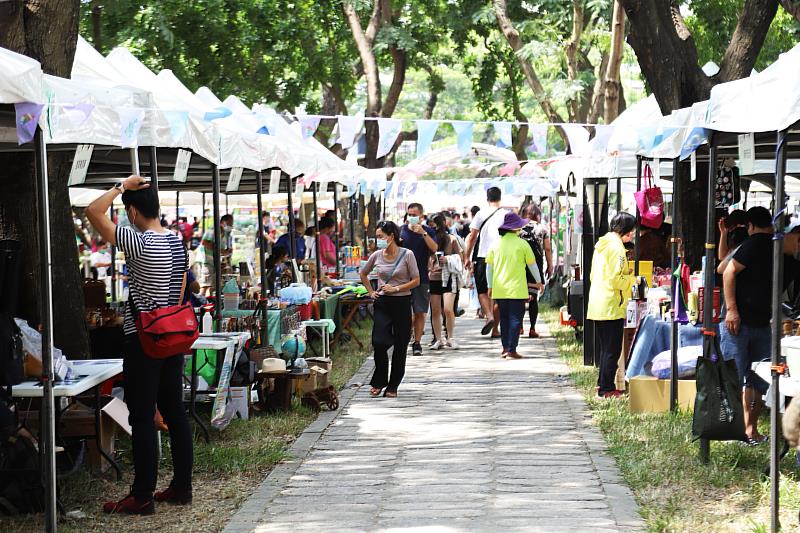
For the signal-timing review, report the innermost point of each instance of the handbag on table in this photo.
(650, 202)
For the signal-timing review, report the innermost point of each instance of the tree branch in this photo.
(747, 40)
(512, 36)
(368, 60)
(611, 73)
(571, 51)
(400, 60)
(599, 91)
(792, 7)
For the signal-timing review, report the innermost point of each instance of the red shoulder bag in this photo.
(167, 331)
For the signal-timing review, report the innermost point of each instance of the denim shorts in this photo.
(751, 345)
(420, 298)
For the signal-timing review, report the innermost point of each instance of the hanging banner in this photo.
(388, 130)
(309, 125)
(538, 138)
(578, 138)
(27, 118)
(233, 180)
(348, 129)
(178, 120)
(464, 133)
(80, 164)
(78, 114)
(602, 134)
(503, 131)
(299, 188)
(182, 166)
(747, 154)
(696, 138)
(693, 167)
(130, 121)
(426, 131)
(274, 181)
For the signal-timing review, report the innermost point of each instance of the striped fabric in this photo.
(156, 263)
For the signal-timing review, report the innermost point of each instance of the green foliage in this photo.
(712, 23)
(251, 48)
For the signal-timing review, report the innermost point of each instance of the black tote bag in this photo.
(718, 411)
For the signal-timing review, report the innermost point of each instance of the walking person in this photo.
(443, 294)
(611, 282)
(158, 263)
(420, 240)
(537, 236)
(482, 236)
(396, 275)
(507, 262)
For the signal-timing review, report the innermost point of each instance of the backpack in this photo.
(12, 369)
(21, 489)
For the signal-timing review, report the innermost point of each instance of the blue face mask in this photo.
(413, 220)
(382, 244)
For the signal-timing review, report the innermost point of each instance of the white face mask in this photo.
(413, 219)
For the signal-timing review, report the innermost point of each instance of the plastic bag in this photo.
(687, 362)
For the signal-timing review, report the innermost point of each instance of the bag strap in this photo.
(401, 253)
(648, 176)
(183, 287)
(480, 229)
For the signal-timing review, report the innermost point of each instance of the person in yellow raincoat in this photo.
(611, 282)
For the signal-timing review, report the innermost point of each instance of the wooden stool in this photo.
(281, 398)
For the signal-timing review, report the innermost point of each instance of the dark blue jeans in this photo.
(511, 315)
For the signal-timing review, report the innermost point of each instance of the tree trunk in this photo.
(571, 50)
(748, 38)
(612, 82)
(792, 7)
(46, 30)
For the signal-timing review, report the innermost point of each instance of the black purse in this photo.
(718, 410)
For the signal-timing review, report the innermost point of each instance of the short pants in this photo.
(439, 289)
(420, 299)
(481, 282)
(751, 345)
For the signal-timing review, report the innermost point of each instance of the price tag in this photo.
(693, 166)
(747, 153)
(80, 164)
(274, 182)
(182, 166)
(233, 180)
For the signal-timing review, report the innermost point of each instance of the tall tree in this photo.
(46, 30)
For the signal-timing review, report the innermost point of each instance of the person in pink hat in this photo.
(506, 264)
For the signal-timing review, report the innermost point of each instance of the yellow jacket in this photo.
(611, 280)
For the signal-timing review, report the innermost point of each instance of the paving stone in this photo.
(473, 443)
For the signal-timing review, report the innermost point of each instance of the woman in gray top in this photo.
(397, 273)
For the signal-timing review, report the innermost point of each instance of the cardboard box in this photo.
(323, 363)
(317, 379)
(651, 395)
(240, 398)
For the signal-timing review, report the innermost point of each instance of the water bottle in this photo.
(208, 323)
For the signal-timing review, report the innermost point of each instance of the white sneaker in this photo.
(438, 345)
(451, 343)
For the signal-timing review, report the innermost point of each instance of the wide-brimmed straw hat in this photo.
(513, 221)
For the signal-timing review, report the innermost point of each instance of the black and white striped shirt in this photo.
(156, 264)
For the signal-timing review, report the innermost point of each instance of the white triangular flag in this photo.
(348, 129)
(388, 130)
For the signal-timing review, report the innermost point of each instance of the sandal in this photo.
(488, 327)
(375, 392)
(390, 394)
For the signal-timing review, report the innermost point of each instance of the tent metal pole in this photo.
(636, 246)
(153, 168)
(262, 246)
(177, 206)
(46, 308)
(353, 214)
(227, 210)
(619, 195)
(336, 223)
(775, 325)
(317, 257)
(203, 216)
(217, 244)
(292, 243)
(675, 260)
(710, 269)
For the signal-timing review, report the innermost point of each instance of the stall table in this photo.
(349, 306)
(89, 375)
(281, 398)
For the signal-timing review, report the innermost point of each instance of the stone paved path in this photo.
(473, 443)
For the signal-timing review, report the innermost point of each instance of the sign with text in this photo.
(80, 164)
(234, 179)
(274, 182)
(182, 166)
(747, 153)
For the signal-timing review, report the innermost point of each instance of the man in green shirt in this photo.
(506, 262)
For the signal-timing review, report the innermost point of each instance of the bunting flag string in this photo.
(539, 138)
(131, 120)
(309, 125)
(27, 119)
(426, 130)
(578, 138)
(503, 131)
(388, 131)
(78, 114)
(348, 129)
(463, 130)
(178, 122)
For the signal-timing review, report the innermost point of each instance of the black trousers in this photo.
(533, 311)
(609, 332)
(150, 382)
(391, 328)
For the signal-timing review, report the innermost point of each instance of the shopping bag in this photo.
(718, 411)
(650, 202)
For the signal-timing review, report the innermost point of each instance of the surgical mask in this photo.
(382, 244)
(413, 220)
(227, 230)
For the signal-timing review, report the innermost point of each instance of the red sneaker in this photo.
(171, 495)
(130, 505)
(613, 394)
(532, 334)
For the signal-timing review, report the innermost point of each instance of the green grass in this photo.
(226, 470)
(660, 463)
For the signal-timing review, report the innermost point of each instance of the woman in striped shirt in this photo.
(158, 263)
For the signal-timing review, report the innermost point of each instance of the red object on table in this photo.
(305, 311)
(715, 302)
